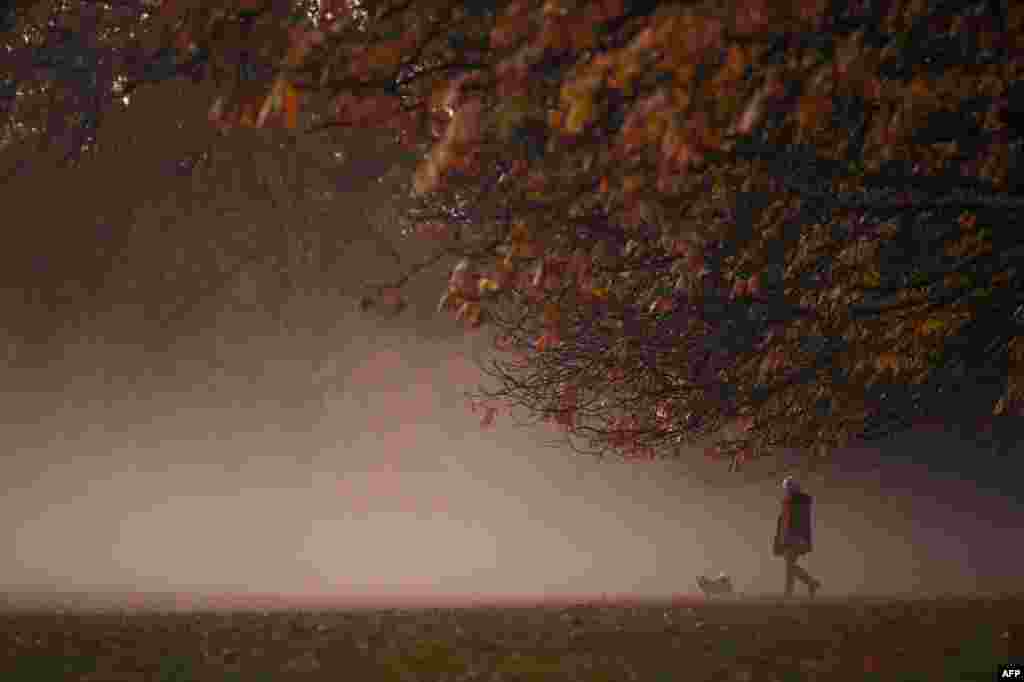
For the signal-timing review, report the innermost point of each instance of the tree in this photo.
(684, 217)
(792, 320)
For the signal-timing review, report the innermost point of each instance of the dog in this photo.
(720, 586)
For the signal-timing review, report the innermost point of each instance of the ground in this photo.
(687, 638)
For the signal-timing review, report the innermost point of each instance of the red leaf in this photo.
(488, 417)
(611, 9)
(565, 418)
(407, 127)
(751, 16)
(503, 342)
(549, 339)
(754, 284)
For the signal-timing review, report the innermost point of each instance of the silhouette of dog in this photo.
(721, 585)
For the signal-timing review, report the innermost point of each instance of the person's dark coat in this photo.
(793, 531)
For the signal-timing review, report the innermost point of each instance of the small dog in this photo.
(721, 585)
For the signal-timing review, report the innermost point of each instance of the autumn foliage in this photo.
(774, 223)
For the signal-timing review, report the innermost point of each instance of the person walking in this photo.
(793, 535)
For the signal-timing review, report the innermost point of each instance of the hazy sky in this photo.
(305, 448)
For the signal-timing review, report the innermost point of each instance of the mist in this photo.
(346, 463)
(282, 442)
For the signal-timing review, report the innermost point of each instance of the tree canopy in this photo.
(782, 225)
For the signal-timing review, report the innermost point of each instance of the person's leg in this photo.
(805, 577)
(791, 568)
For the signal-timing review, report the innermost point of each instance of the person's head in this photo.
(791, 485)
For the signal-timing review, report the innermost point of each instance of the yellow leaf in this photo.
(655, 127)
(623, 74)
(581, 111)
(585, 85)
(872, 278)
(487, 285)
(510, 112)
(930, 326)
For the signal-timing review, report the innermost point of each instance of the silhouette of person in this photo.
(793, 535)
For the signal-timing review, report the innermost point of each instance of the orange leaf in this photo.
(449, 300)
(249, 114)
(632, 139)
(812, 110)
(291, 106)
(471, 312)
(552, 314)
(386, 56)
(554, 33)
(582, 36)
(735, 63)
(888, 361)
(631, 184)
(427, 178)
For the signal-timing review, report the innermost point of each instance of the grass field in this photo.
(685, 639)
